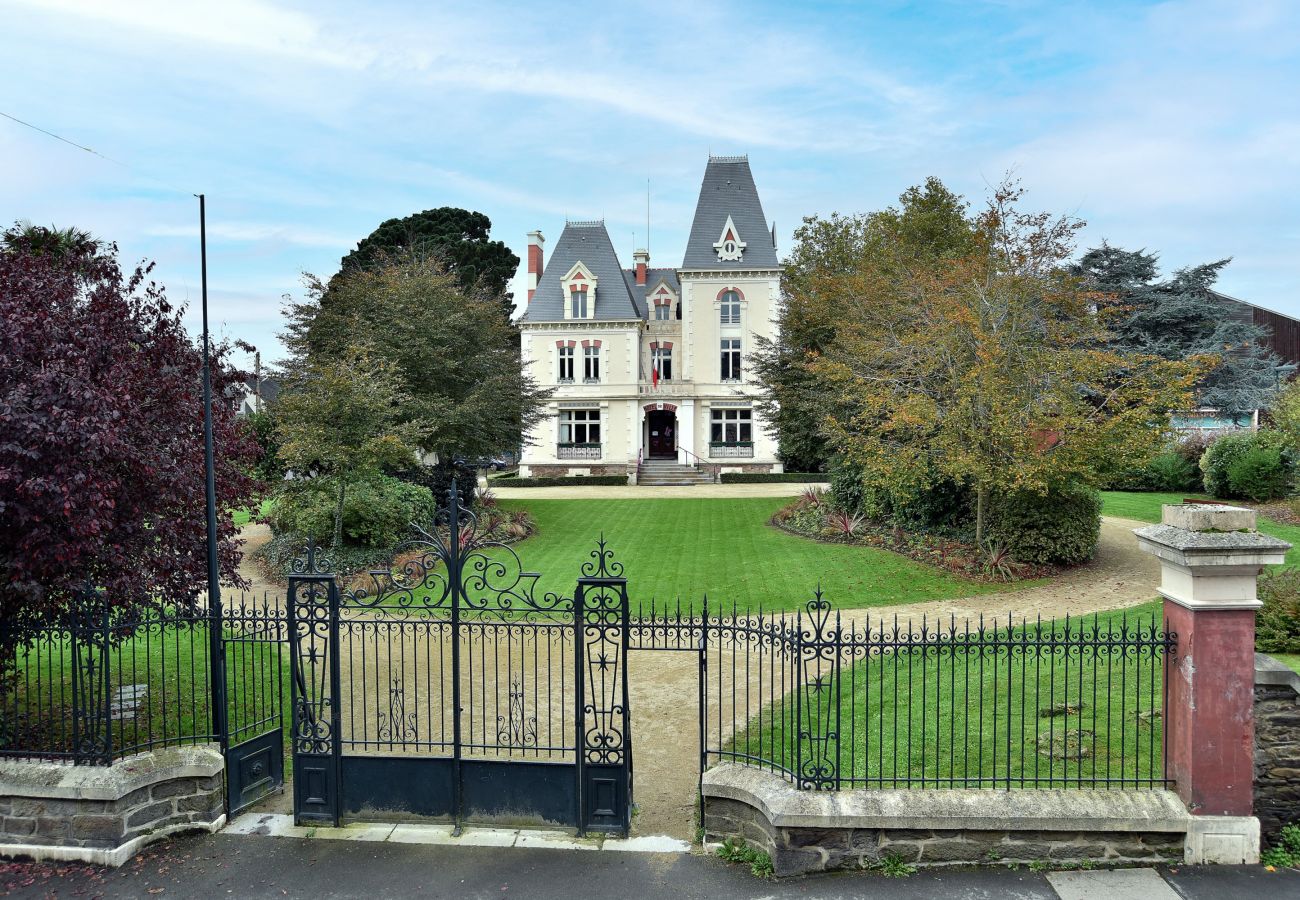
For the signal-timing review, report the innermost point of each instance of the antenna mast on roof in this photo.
(647, 215)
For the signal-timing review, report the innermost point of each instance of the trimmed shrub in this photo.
(567, 480)
(1261, 474)
(437, 479)
(377, 513)
(773, 477)
(1277, 624)
(1265, 474)
(1060, 527)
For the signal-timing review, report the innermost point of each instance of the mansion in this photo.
(649, 364)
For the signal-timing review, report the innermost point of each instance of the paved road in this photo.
(226, 865)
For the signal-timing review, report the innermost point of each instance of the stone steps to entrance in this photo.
(670, 473)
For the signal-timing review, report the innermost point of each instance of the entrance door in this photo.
(663, 434)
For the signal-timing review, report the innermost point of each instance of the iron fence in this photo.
(832, 702)
(100, 684)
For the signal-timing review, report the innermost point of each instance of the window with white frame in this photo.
(732, 426)
(591, 363)
(578, 303)
(579, 426)
(729, 308)
(566, 365)
(662, 360)
(663, 312)
(731, 359)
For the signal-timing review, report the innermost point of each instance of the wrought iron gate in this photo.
(444, 687)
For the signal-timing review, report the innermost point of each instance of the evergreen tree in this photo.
(1181, 318)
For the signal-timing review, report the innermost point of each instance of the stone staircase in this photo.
(660, 472)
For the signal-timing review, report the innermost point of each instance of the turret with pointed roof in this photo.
(729, 203)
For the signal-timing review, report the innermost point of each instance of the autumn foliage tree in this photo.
(101, 436)
(987, 366)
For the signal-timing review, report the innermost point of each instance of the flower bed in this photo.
(813, 515)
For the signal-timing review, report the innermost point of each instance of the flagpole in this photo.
(216, 655)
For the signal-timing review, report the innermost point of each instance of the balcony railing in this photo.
(577, 451)
(731, 449)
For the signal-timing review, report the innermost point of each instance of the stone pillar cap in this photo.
(1208, 517)
(1208, 547)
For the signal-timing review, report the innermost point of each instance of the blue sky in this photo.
(1173, 126)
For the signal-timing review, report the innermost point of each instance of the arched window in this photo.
(729, 307)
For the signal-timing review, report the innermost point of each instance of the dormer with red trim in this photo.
(579, 287)
(729, 246)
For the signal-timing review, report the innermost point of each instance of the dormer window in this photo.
(729, 246)
(578, 303)
(663, 299)
(663, 311)
(579, 287)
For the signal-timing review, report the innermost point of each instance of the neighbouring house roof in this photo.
(588, 243)
(728, 190)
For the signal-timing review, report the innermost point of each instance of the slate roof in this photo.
(588, 243)
(728, 190)
(652, 279)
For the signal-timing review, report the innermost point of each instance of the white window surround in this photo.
(579, 277)
(729, 246)
(730, 304)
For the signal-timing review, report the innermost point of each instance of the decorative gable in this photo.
(579, 290)
(729, 246)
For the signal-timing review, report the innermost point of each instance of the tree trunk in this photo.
(338, 515)
(981, 509)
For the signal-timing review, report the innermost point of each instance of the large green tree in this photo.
(456, 357)
(458, 238)
(1179, 317)
(343, 417)
(830, 256)
(987, 366)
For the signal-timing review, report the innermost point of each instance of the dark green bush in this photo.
(377, 512)
(565, 480)
(1260, 474)
(1168, 471)
(1277, 624)
(437, 479)
(773, 477)
(1060, 527)
(847, 489)
(1264, 473)
(1171, 471)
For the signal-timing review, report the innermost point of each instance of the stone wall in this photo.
(105, 814)
(797, 851)
(811, 831)
(1277, 745)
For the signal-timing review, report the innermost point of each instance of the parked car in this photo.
(490, 463)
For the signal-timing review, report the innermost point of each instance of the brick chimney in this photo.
(642, 260)
(535, 242)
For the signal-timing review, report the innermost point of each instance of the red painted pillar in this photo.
(1210, 559)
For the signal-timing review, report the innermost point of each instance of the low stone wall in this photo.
(809, 831)
(1277, 745)
(105, 814)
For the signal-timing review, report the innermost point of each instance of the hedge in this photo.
(1057, 528)
(774, 477)
(563, 481)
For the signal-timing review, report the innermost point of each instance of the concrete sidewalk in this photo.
(226, 865)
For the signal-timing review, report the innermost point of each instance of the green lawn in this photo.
(163, 673)
(243, 516)
(1145, 507)
(1290, 659)
(945, 713)
(726, 549)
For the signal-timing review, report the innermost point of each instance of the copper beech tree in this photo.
(989, 366)
(101, 436)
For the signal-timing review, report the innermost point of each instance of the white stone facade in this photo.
(693, 327)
